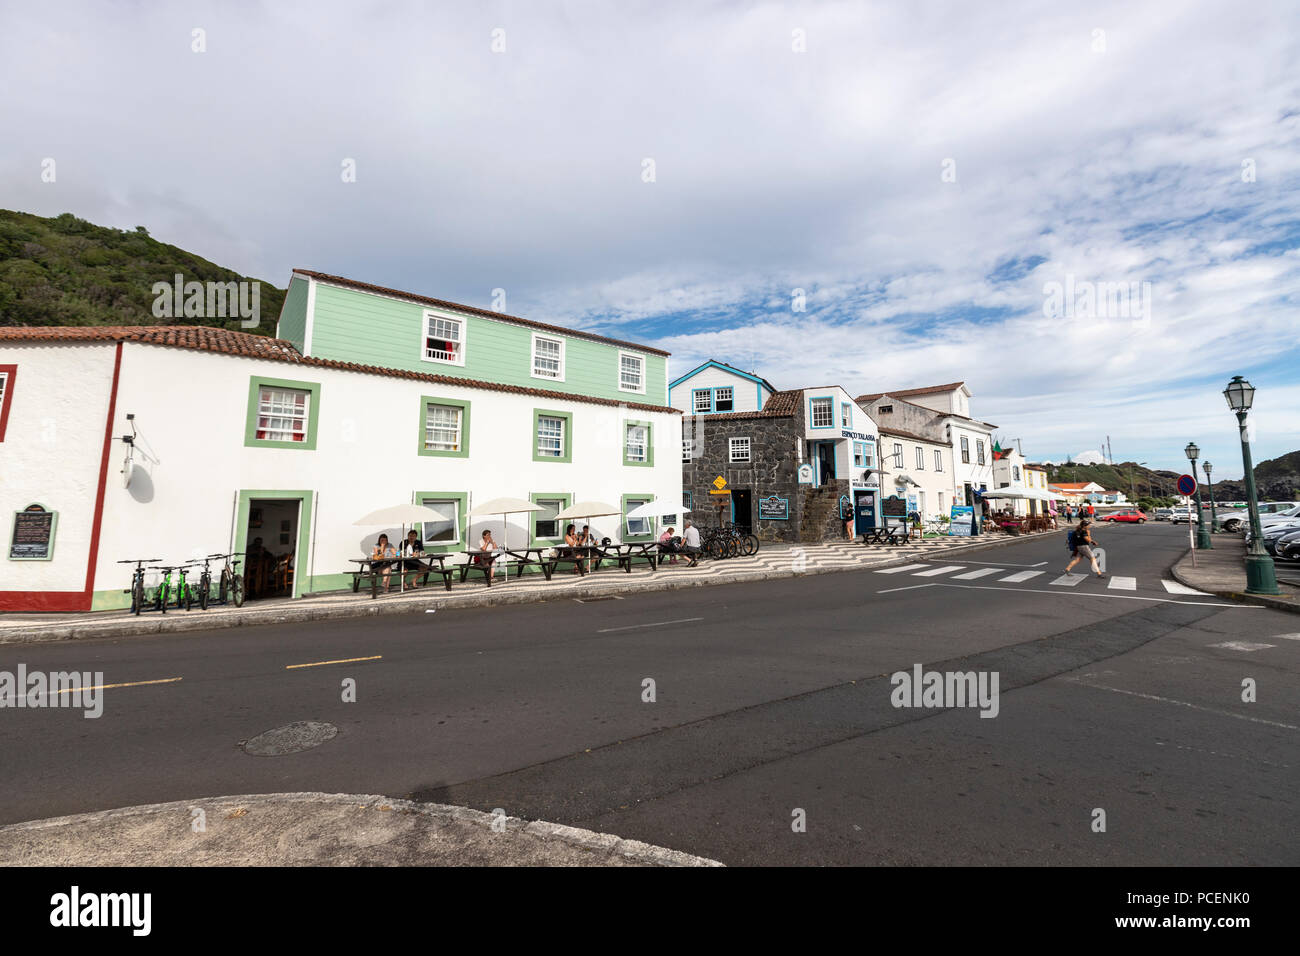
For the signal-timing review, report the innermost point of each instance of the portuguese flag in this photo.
(998, 450)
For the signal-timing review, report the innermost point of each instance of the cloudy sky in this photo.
(934, 176)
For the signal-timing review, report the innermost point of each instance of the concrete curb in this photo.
(1240, 597)
(606, 843)
(162, 624)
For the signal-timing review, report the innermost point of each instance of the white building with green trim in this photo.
(291, 439)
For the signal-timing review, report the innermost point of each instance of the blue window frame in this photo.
(821, 408)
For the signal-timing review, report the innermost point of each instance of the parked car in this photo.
(1287, 546)
(1162, 514)
(1271, 536)
(1270, 512)
(1179, 515)
(1135, 517)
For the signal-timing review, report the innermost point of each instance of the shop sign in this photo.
(33, 534)
(773, 508)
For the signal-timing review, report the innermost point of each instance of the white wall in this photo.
(365, 456)
(51, 455)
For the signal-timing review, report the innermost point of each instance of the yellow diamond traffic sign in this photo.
(719, 482)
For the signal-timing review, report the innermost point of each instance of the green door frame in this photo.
(301, 551)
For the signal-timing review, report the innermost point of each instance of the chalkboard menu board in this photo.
(893, 507)
(773, 508)
(33, 535)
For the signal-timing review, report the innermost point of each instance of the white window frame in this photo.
(829, 405)
(641, 362)
(432, 314)
(537, 516)
(695, 397)
(553, 340)
(441, 504)
(965, 450)
(898, 455)
(734, 445)
(920, 458)
(846, 415)
(628, 428)
(460, 426)
(938, 460)
(280, 434)
(559, 454)
(731, 397)
(633, 504)
(980, 460)
(687, 445)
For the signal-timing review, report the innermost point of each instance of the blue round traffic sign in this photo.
(1186, 485)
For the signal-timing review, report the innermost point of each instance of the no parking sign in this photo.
(1186, 485)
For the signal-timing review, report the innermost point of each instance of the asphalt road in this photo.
(770, 698)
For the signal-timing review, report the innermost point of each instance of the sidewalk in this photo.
(772, 561)
(1221, 571)
(317, 829)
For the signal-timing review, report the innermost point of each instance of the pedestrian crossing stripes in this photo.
(1020, 576)
(1068, 579)
(977, 573)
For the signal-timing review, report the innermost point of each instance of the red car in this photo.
(1135, 516)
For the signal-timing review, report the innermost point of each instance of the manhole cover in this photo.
(289, 739)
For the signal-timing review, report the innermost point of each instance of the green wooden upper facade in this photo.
(329, 320)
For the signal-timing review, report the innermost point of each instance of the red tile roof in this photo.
(472, 310)
(245, 345)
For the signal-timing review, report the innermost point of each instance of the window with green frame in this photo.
(638, 444)
(444, 427)
(282, 413)
(637, 528)
(548, 529)
(552, 435)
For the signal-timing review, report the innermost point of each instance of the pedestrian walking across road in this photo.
(1080, 543)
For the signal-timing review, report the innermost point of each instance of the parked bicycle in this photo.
(230, 587)
(136, 590)
(162, 595)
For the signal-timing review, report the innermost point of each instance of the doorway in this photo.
(864, 511)
(742, 515)
(271, 539)
(826, 462)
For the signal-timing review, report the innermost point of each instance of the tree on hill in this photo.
(67, 271)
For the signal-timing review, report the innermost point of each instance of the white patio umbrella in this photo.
(504, 507)
(657, 508)
(586, 510)
(402, 515)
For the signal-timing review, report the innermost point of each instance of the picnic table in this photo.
(479, 561)
(578, 556)
(374, 568)
(887, 533)
(624, 554)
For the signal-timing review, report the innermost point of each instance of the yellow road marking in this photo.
(138, 683)
(350, 660)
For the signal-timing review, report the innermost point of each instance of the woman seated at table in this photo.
(573, 541)
(383, 550)
(485, 560)
(668, 545)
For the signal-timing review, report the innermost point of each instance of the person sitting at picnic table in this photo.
(486, 544)
(573, 541)
(412, 547)
(691, 543)
(669, 545)
(383, 550)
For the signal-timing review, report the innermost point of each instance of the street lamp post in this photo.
(1260, 576)
(1214, 509)
(1203, 542)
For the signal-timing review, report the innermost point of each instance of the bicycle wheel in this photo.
(137, 595)
(733, 547)
(205, 585)
(185, 597)
(750, 544)
(237, 590)
(717, 549)
(223, 589)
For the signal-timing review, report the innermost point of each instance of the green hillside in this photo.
(1277, 479)
(66, 271)
(1117, 477)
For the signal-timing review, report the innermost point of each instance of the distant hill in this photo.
(1277, 479)
(66, 271)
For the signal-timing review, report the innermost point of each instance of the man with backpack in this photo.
(1080, 544)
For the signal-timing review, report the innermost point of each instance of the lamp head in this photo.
(1192, 452)
(1240, 394)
